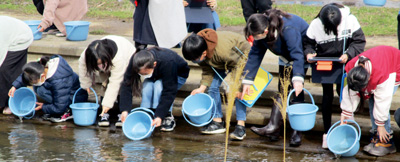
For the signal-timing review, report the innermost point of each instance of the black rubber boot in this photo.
(272, 129)
(295, 139)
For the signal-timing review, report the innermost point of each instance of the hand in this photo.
(11, 91)
(39, 106)
(310, 56)
(383, 134)
(88, 90)
(238, 95)
(41, 29)
(105, 110)
(246, 90)
(211, 3)
(298, 87)
(185, 3)
(157, 122)
(342, 118)
(344, 58)
(201, 89)
(124, 114)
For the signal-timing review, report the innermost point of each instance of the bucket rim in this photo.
(84, 108)
(137, 138)
(347, 150)
(70, 23)
(12, 98)
(32, 21)
(303, 113)
(208, 109)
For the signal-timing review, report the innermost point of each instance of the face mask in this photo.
(260, 37)
(146, 76)
(40, 83)
(102, 67)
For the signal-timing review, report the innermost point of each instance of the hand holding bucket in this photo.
(137, 125)
(344, 139)
(301, 116)
(198, 108)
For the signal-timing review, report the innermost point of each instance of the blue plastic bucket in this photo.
(137, 124)
(84, 112)
(33, 24)
(198, 108)
(375, 2)
(77, 30)
(23, 103)
(344, 140)
(302, 116)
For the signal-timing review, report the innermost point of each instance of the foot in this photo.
(63, 118)
(324, 142)
(104, 120)
(46, 117)
(383, 148)
(373, 141)
(168, 124)
(119, 122)
(295, 140)
(239, 133)
(7, 111)
(214, 128)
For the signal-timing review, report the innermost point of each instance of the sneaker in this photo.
(118, 123)
(381, 148)
(46, 117)
(324, 142)
(168, 124)
(60, 34)
(104, 120)
(7, 111)
(214, 128)
(63, 118)
(239, 133)
(373, 141)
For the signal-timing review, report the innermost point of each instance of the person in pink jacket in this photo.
(374, 75)
(59, 11)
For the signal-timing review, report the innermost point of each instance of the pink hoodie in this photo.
(59, 11)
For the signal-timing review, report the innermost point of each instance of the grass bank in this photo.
(373, 20)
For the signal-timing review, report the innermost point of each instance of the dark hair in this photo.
(357, 79)
(104, 50)
(32, 70)
(193, 47)
(271, 19)
(140, 60)
(330, 17)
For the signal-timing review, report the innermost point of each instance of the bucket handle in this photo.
(290, 94)
(70, 31)
(95, 94)
(36, 31)
(351, 121)
(33, 114)
(200, 125)
(144, 109)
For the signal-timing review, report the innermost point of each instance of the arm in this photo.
(84, 79)
(207, 74)
(18, 83)
(114, 84)
(170, 88)
(125, 103)
(61, 98)
(383, 98)
(350, 101)
(256, 55)
(357, 41)
(49, 13)
(294, 44)
(309, 41)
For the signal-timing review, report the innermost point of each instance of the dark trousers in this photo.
(294, 98)
(398, 29)
(9, 71)
(254, 6)
(327, 99)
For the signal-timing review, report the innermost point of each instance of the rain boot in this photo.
(374, 138)
(383, 148)
(273, 128)
(295, 139)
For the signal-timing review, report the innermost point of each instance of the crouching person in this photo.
(54, 82)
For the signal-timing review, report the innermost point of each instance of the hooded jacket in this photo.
(221, 52)
(59, 87)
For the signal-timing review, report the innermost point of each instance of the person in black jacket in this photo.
(164, 72)
(328, 32)
(54, 82)
(282, 34)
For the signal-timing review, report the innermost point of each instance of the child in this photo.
(373, 75)
(216, 50)
(53, 81)
(107, 58)
(164, 72)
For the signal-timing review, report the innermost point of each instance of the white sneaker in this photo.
(324, 142)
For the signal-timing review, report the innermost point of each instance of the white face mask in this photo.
(102, 67)
(146, 76)
(40, 83)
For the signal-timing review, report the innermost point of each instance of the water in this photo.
(34, 140)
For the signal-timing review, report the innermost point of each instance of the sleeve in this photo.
(383, 98)
(309, 41)
(49, 13)
(357, 41)
(256, 55)
(350, 101)
(114, 84)
(294, 44)
(84, 79)
(18, 83)
(207, 74)
(125, 103)
(170, 88)
(61, 98)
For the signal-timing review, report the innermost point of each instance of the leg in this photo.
(327, 99)
(240, 131)
(157, 90)
(398, 28)
(248, 8)
(147, 94)
(263, 5)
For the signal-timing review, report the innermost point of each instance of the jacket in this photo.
(288, 45)
(112, 80)
(169, 66)
(59, 87)
(221, 52)
(384, 70)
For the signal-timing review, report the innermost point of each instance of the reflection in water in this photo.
(141, 151)
(25, 141)
(87, 145)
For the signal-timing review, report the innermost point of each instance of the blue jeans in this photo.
(371, 110)
(213, 91)
(151, 92)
